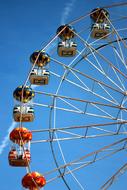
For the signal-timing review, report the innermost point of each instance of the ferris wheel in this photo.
(81, 89)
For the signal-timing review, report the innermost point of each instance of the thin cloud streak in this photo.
(67, 10)
(6, 138)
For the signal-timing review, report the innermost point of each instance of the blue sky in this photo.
(25, 27)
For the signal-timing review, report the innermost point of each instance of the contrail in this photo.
(67, 10)
(6, 138)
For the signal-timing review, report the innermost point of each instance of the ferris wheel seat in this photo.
(67, 50)
(39, 77)
(100, 30)
(39, 80)
(24, 118)
(19, 160)
(23, 114)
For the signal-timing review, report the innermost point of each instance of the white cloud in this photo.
(67, 10)
(6, 138)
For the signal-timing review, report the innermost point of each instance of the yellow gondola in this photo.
(65, 32)
(99, 15)
(23, 94)
(100, 26)
(40, 58)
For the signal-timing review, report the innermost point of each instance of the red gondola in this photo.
(20, 135)
(33, 181)
(19, 160)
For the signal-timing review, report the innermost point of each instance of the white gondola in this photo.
(67, 49)
(23, 113)
(100, 30)
(39, 77)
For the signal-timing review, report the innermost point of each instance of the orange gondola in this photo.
(33, 181)
(20, 135)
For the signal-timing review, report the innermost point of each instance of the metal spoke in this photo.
(110, 182)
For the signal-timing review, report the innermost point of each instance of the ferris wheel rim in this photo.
(50, 133)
